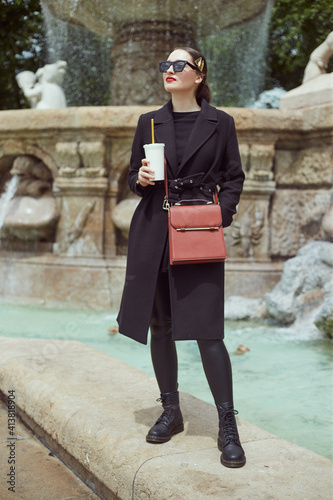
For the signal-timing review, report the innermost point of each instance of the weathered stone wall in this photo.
(304, 176)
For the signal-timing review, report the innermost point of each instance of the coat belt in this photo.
(189, 187)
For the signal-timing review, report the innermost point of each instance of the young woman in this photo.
(184, 302)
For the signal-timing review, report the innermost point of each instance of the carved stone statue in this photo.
(43, 88)
(26, 80)
(35, 178)
(317, 86)
(319, 58)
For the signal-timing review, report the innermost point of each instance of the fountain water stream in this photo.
(6, 196)
(87, 81)
(237, 60)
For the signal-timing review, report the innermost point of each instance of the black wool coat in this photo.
(211, 158)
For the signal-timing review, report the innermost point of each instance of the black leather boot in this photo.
(228, 438)
(170, 422)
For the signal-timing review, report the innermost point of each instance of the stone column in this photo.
(138, 48)
(81, 189)
(249, 235)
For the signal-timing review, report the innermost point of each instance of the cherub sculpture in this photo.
(43, 88)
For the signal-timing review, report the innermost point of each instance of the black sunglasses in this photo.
(178, 66)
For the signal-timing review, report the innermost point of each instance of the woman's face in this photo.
(185, 81)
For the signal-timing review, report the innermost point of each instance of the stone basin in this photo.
(30, 219)
(105, 17)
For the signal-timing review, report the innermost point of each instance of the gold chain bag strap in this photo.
(195, 230)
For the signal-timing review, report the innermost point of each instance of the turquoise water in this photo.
(283, 384)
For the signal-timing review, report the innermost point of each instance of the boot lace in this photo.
(167, 414)
(228, 426)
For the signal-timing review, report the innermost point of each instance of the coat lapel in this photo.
(204, 127)
(165, 132)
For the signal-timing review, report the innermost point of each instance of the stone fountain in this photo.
(145, 33)
(78, 257)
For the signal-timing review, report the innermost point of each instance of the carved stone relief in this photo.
(247, 237)
(81, 159)
(296, 219)
(304, 167)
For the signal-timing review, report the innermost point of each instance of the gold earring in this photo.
(199, 63)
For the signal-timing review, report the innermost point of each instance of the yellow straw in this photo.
(152, 131)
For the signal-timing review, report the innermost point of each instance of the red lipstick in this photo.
(170, 79)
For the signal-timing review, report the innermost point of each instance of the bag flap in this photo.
(195, 216)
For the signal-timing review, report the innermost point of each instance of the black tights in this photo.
(214, 355)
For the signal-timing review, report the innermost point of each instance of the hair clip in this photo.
(200, 63)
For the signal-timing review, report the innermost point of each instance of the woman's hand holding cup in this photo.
(146, 174)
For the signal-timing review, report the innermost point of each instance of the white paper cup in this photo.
(155, 154)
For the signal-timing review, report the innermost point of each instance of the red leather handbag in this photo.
(195, 231)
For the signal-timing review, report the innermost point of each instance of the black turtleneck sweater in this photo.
(184, 123)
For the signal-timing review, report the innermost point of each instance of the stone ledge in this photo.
(122, 120)
(96, 410)
(97, 283)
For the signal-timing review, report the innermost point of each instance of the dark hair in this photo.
(203, 90)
